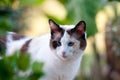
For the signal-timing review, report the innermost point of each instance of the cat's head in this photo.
(68, 42)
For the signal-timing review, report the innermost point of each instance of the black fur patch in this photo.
(17, 36)
(55, 40)
(25, 47)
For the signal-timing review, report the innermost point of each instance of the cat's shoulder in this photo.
(43, 38)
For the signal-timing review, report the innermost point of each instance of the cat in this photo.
(61, 50)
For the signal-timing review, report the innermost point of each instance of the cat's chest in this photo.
(57, 70)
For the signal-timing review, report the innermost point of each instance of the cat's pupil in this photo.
(70, 43)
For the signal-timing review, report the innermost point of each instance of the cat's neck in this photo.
(72, 62)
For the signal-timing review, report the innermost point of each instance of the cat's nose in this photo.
(64, 54)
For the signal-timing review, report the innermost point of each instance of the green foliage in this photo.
(2, 49)
(83, 10)
(6, 2)
(23, 62)
(37, 67)
(31, 2)
(11, 65)
(66, 21)
(5, 24)
(113, 0)
(77, 10)
(22, 3)
(8, 19)
(37, 70)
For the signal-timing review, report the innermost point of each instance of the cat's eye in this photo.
(57, 43)
(70, 43)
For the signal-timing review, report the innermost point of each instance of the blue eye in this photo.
(70, 43)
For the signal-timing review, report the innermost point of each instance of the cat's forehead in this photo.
(67, 27)
(67, 37)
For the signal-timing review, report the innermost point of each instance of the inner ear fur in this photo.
(53, 26)
(80, 28)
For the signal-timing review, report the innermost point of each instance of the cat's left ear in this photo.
(53, 26)
(80, 28)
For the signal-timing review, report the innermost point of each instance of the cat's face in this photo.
(67, 43)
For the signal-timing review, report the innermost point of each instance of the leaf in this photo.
(37, 71)
(35, 76)
(23, 61)
(6, 69)
(37, 67)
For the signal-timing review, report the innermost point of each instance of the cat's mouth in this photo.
(63, 58)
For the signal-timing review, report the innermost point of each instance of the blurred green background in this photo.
(101, 60)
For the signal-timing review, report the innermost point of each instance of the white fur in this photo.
(55, 66)
(14, 45)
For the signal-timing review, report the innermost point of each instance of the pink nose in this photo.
(64, 55)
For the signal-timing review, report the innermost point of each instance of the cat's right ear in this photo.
(53, 26)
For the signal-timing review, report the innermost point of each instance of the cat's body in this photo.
(61, 51)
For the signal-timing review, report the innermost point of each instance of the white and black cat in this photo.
(61, 50)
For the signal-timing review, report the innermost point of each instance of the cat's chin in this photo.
(62, 58)
(65, 58)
